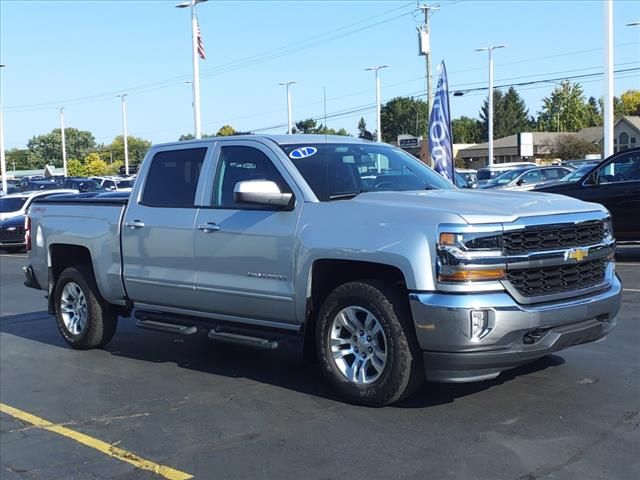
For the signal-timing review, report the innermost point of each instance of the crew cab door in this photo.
(158, 228)
(616, 185)
(244, 253)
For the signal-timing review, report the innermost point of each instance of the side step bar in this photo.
(217, 331)
(166, 327)
(238, 339)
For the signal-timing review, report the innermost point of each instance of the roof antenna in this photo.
(324, 93)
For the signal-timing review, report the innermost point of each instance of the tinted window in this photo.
(12, 204)
(625, 168)
(238, 164)
(531, 177)
(342, 170)
(173, 178)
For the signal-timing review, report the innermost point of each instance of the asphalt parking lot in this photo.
(191, 408)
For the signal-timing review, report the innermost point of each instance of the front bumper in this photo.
(450, 355)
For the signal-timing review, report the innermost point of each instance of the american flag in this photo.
(201, 51)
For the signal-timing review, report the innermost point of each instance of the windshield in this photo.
(576, 174)
(124, 183)
(507, 177)
(12, 204)
(336, 171)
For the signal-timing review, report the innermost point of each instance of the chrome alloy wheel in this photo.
(73, 308)
(358, 345)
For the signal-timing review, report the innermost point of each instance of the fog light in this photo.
(478, 324)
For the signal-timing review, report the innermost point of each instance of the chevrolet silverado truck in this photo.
(381, 269)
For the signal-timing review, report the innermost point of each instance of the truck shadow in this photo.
(283, 368)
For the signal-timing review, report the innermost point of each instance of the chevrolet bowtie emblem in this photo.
(577, 254)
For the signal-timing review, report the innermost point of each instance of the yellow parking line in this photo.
(104, 447)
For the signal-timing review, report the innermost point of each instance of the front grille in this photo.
(12, 236)
(533, 282)
(550, 237)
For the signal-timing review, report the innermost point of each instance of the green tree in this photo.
(46, 149)
(564, 110)
(94, 165)
(629, 103)
(186, 136)
(510, 114)
(75, 168)
(403, 115)
(362, 130)
(306, 126)
(226, 131)
(138, 148)
(593, 115)
(466, 130)
(570, 147)
(17, 159)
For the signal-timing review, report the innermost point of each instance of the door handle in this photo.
(209, 227)
(134, 224)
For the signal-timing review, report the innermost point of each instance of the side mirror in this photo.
(521, 181)
(262, 192)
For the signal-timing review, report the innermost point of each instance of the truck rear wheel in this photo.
(83, 318)
(366, 345)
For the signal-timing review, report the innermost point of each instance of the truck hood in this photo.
(481, 206)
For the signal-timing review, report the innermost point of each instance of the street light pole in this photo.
(124, 134)
(608, 78)
(197, 129)
(289, 118)
(64, 147)
(490, 119)
(378, 115)
(3, 163)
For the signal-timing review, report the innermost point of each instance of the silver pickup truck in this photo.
(384, 271)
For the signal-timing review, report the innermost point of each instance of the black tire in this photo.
(403, 372)
(101, 322)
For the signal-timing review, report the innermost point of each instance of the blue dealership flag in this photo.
(440, 144)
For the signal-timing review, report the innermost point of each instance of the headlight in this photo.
(470, 257)
(608, 228)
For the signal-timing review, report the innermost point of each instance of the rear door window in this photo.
(172, 179)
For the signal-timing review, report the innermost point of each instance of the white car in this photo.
(16, 204)
(113, 184)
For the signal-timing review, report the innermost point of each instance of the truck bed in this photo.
(86, 221)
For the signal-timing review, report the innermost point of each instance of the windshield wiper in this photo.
(343, 196)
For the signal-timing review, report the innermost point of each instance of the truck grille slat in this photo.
(14, 235)
(549, 237)
(531, 282)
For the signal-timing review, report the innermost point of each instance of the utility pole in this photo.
(124, 134)
(378, 108)
(490, 119)
(289, 117)
(608, 78)
(64, 148)
(424, 42)
(3, 164)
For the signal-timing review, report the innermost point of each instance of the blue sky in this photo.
(81, 54)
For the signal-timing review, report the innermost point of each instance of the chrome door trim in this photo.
(262, 296)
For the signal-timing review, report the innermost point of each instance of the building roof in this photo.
(539, 138)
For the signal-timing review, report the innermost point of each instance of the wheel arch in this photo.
(327, 274)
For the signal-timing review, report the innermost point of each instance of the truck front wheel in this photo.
(84, 320)
(366, 345)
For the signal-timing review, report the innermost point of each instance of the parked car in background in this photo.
(115, 183)
(16, 204)
(81, 184)
(485, 174)
(614, 183)
(470, 176)
(13, 209)
(527, 178)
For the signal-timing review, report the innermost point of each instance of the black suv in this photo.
(614, 183)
